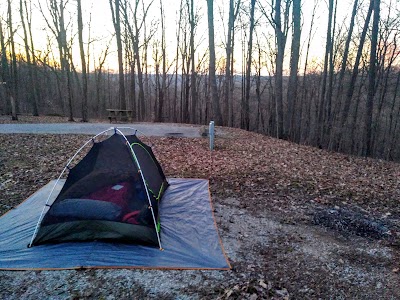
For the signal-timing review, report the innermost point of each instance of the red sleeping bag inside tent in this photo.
(119, 195)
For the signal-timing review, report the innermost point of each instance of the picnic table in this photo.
(119, 114)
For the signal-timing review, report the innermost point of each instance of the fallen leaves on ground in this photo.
(262, 173)
(243, 164)
(252, 166)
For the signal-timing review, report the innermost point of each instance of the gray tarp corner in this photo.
(188, 232)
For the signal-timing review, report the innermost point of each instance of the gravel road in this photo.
(147, 129)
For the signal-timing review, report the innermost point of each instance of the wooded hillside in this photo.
(248, 64)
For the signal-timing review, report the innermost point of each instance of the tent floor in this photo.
(189, 236)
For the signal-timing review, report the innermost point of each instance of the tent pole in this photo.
(58, 179)
(136, 130)
(145, 186)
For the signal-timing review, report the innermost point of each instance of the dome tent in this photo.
(112, 194)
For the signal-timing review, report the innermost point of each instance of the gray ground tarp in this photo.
(188, 235)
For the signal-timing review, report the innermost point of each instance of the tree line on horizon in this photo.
(259, 77)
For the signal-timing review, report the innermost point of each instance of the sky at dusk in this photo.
(101, 28)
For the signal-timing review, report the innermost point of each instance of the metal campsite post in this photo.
(211, 132)
(212, 135)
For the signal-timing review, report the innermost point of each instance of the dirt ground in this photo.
(296, 222)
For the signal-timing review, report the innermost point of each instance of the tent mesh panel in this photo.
(106, 186)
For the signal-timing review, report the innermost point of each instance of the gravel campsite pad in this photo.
(296, 222)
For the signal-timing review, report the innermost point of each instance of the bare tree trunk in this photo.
(232, 80)
(260, 116)
(5, 70)
(213, 82)
(304, 131)
(134, 34)
(35, 76)
(133, 89)
(378, 124)
(327, 122)
(354, 136)
(83, 64)
(184, 80)
(55, 27)
(32, 88)
(186, 115)
(291, 122)
(323, 95)
(162, 92)
(193, 71)
(349, 94)
(144, 59)
(142, 104)
(246, 103)
(156, 60)
(393, 120)
(56, 10)
(280, 41)
(387, 56)
(178, 35)
(115, 11)
(371, 80)
(66, 58)
(228, 65)
(229, 60)
(281, 35)
(243, 77)
(333, 140)
(13, 81)
(346, 49)
(98, 79)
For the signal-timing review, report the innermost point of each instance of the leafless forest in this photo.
(257, 70)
